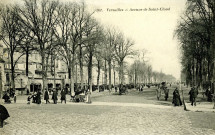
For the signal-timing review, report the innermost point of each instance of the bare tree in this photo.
(12, 36)
(123, 48)
(66, 32)
(40, 19)
(99, 63)
(111, 39)
(94, 37)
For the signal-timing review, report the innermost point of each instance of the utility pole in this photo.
(182, 95)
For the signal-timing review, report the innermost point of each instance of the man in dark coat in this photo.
(3, 115)
(46, 96)
(54, 96)
(63, 96)
(191, 95)
(209, 95)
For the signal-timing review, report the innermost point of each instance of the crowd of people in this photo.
(36, 96)
(7, 97)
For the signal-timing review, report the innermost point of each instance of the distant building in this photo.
(33, 81)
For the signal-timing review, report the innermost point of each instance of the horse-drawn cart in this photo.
(123, 89)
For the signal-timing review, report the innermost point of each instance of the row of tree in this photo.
(196, 33)
(66, 30)
(141, 72)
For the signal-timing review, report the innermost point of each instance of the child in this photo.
(29, 99)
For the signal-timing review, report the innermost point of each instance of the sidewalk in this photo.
(201, 107)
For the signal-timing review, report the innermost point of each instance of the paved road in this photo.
(99, 118)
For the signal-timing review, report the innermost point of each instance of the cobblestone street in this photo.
(106, 118)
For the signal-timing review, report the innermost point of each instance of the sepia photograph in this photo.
(111, 67)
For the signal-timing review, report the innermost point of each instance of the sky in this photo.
(152, 31)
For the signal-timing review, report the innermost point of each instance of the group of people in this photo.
(7, 99)
(36, 97)
(177, 100)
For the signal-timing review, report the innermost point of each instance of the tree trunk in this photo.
(54, 74)
(76, 73)
(81, 66)
(114, 77)
(43, 72)
(105, 74)
(90, 66)
(12, 73)
(98, 66)
(27, 54)
(135, 78)
(121, 73)
(193, 73)
(72, 92)
(197, 74)
(109, 65)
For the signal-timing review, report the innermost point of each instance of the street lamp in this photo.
(21, 86)
(33, 82)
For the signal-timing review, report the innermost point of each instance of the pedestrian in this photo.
(34, 96)
(142, 87)
(29, 99)
(193, 95)
(54, 96)
(209, 95)
(6, 98)
(38, 97)
(28, 91)
(63, 96)
(3, 115)
(176, 98)
(46, 96)
(158, 92)
(88, 100)
(115, 89)
(14, 98)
